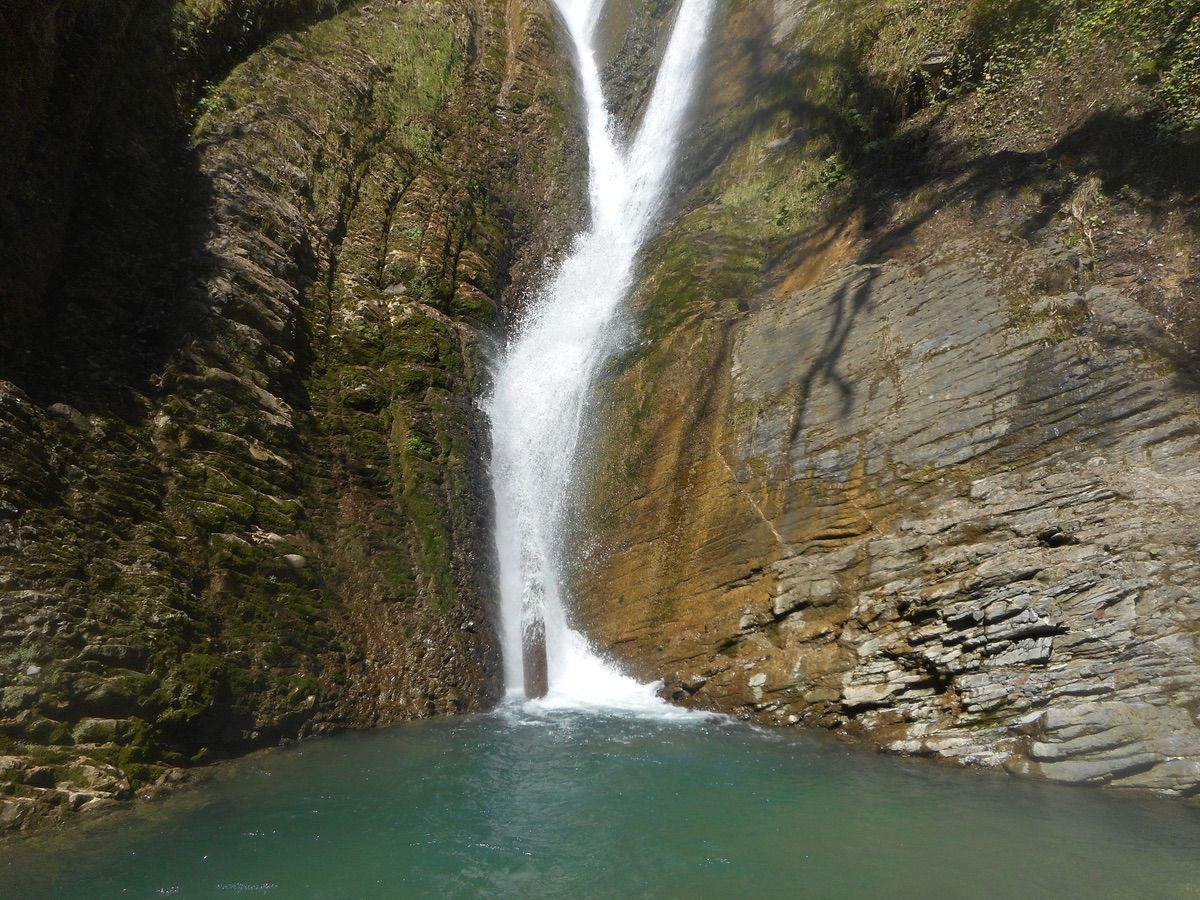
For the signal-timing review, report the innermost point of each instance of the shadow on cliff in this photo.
(849, 301)
(103, 208)
(899, 178)
(1127, 153)
(902, 186)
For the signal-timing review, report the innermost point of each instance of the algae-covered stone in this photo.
(15, 698)
(98, 731)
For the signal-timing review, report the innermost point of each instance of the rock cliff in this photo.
(905, 441)
(252, 254)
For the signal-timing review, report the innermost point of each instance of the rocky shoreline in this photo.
(908, 443)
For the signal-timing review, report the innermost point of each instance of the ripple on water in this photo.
(528, 803)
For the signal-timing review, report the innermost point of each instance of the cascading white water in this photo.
(548, 368)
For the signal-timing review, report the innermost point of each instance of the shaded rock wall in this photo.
(241, 471)
(97, 104)
(906, 441)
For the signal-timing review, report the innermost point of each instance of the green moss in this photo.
(705, 265)
(318, 399)
(195, 684)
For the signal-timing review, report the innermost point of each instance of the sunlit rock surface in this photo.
(907, 441)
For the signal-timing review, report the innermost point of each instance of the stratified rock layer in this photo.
(242, 490)
(910, 444)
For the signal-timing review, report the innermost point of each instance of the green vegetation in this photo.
(885, 60)
(290, 510)
(868, 78)
(1155, 45)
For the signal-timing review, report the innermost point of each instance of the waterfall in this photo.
(549, 365)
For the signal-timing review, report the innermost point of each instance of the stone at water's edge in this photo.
(533, 656)
(933, 482)
(615, 806)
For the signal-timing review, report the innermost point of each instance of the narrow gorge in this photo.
(545, 377)
(674, 401)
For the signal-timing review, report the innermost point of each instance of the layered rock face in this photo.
(904, 445)
(907, 442)
(248, 271)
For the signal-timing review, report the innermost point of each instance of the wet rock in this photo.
(13, 812)
(91, 803)
(101, 780)
(537, 682)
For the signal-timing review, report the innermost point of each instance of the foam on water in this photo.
(549, 366)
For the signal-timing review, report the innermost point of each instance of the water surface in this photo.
(566, 804)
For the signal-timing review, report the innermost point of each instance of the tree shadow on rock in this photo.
(103, 207)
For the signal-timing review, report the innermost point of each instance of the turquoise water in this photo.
(571, 805)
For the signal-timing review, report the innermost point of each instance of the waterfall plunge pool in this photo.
(566, 804)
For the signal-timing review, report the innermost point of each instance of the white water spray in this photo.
(545, 376)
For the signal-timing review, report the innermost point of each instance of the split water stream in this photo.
(598, 788)
(540, 398)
